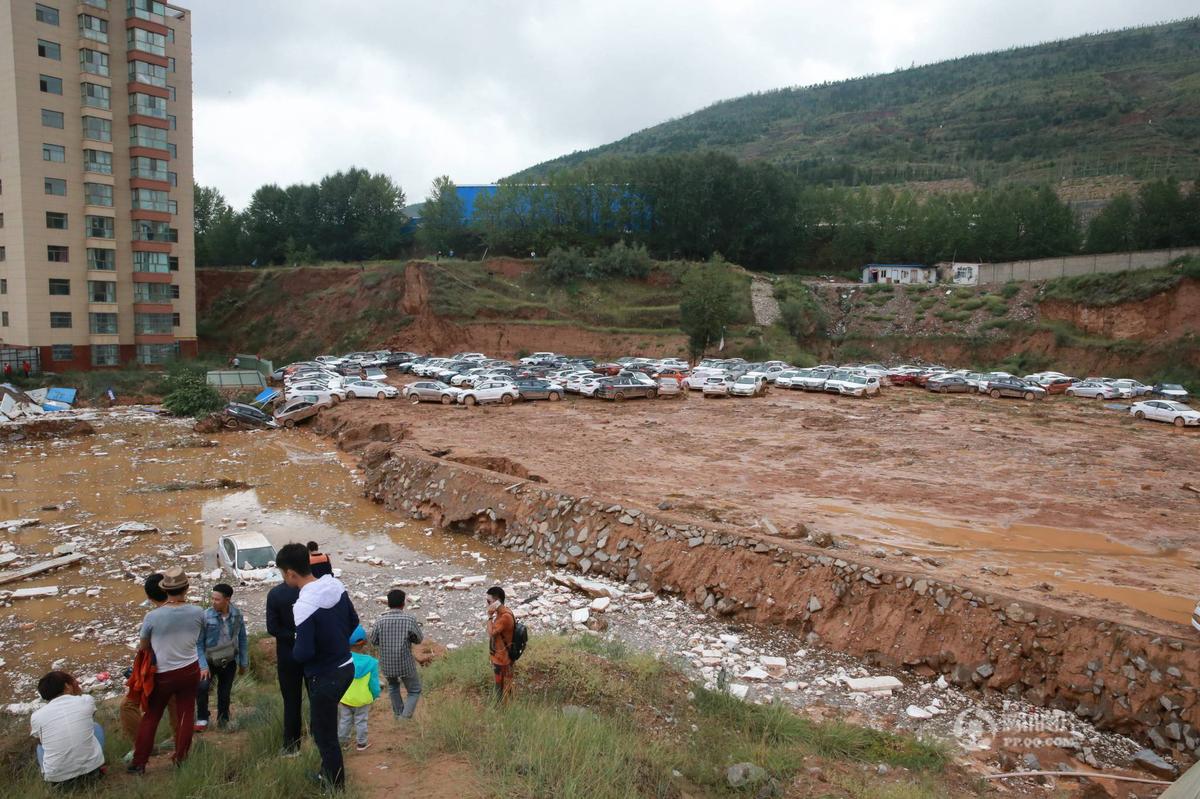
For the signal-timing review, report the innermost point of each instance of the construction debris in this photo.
(16, 575)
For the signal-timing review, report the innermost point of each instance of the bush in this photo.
(802, 315)
(189, 394)
(1010, 289)
(621, 260)
(564, 266)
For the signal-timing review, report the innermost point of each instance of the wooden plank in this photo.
(14, 575)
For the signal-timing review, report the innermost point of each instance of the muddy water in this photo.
(82, 488)
(1082, 561)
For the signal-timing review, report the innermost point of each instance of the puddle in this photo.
(1081, 561)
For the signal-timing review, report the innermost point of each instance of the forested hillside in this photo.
(1124, 102)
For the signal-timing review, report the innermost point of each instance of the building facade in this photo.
(97, 251)
(899, 273)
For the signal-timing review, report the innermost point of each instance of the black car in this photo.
(951, 384)
(395, 360)
(622, 388)
(1012, 387)
(238, 415)
(531, 388)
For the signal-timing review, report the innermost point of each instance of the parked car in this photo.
(297, 409)
(431, 391)
(492, 391)
(717, 386)
(812, 379)
(1135, 388)
(370, 388)
(331, 395)
(749, 386)
(247, 556)
(1092, 389)
(1170, 391)
(1176, 413)
(534, 389)
(671, 387)
(1056, 385)
(951, 384)
(855, 385)
(238, 415)
(1014, 387)
(625, 387)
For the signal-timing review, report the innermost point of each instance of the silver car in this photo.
(431, 391)
(1093, 390)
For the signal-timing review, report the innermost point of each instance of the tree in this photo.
(707, 305)
(217, 227)
(1114, 228)
(443, 223)
(188, 392)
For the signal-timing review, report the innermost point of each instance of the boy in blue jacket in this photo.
(355, 706)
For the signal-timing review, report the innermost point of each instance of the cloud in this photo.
(290, 91)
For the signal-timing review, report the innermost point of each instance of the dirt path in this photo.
(762, 299)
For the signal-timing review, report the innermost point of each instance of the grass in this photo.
(1114, 288)
(642, 721)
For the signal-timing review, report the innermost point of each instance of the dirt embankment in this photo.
(1122, 678)
(1164, 317)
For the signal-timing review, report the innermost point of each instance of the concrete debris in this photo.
(915, 712)
(134, 527)
(34, 593)
(872, 685)
(593, 588)
(600, 604)
(580, 616)
(742, 775)
(12, 525)
(1152, 762)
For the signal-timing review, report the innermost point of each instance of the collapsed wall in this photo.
(1120, 678)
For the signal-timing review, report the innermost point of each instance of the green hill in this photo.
(1118, 103)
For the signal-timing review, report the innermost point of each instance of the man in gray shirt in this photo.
(173, 633)
(394, 633)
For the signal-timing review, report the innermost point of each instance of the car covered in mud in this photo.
(1169, 391)
(951, 384)
(749, 385)
(239, 416)
(247, 556)
(370, 389)
(627, 386)
(671, 387)
(491, 392)
(298, 409)
(852, 384)
(1093, 389)
(716, 386)
(431, 391)
(532, 388)
(1175, 413)
(1014, 387)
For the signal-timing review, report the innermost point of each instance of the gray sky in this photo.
(288, 91)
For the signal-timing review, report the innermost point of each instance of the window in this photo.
(94, 61)
(172, 95)
(101, 4)
(151, 324)
(1, 226)
(93, 28)
(149, 200)
(150, 168)
(62, 352)
(157, 353)
(102, 291)
(3, 286)
(96, 96)
(172, 207)
(152, 292)
(51, 50)
(171, 64)
(104, 260)
(56, 221)
(58, 254)
(99, 227)
(60, 287)
(52, 119)
(146, 41)
(97, 161)
(98, 194)
(3, 253)
(151, 262)
(172, 233)
(145, 136)
(151, 231)
(106, 355)
(145, 72)
(54, 152)
(46, 14)
(3, 318)
(175, 320)
(172, 120)
(173, 263)
(60, 319)
(148, 105)
(175, 293)
(56, 186)
(171, 35)
(152, 10)
(49, 84)
(171, 149)
(98, 129)
(173, 178)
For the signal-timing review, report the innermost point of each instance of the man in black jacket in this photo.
(282, 627)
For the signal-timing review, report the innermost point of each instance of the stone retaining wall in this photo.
(1121, 678)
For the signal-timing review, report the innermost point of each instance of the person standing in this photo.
(394, 635)
(8, 371)
(320, 562)
(25, 368)
(500, 627)
(354, 710)
(324, 617)
(224, 646)
(281, 626)
(141, 678)
(173, 633)
(70, 742)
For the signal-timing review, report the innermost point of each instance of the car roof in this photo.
(248, 540)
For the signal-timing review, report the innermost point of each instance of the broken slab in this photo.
(34, 593)
(580, 616)
(134, 527)
(12, 525)
(871, 685)
(600, 604)
(16, 575)
(589, 587)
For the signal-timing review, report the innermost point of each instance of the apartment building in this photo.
(97, 252)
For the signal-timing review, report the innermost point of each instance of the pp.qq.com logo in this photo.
(976, 727)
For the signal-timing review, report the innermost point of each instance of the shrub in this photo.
(189, 394)
(621, 260)
(564, 266)
(802, 315)
(1010, 289)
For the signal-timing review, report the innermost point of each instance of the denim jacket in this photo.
(212, 635)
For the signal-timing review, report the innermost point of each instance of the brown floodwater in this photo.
(80, 489)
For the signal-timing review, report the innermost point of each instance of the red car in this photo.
(922, 379)
(608, 369)
(902, 378)
(1058, 385)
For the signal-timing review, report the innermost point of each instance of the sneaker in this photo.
(362, 747)
(290, 752)
(200, 726)
(137, 771)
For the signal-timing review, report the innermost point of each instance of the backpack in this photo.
(520, 640)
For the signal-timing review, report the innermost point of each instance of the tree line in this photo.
(683, 207)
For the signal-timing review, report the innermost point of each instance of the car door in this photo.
(1158, 411)
(228, 553)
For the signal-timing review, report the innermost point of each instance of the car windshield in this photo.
(1176, 406)
(746, 381)
(256, 557)
(1172, 387)
(855, 379)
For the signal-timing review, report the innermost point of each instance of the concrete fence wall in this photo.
(1073, 265)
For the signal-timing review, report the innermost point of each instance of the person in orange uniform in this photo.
(500, 626)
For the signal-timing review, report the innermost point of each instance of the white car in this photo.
(247, 556)
(749, 385)
(1093, 389)
(538, 357)
(494, 391)
(1135, 388)
(984, 380)
(330, 395)
(371, 388)
(589, 385)
(854, 385)
(1176, 413)
(717, 386)
(784, 378)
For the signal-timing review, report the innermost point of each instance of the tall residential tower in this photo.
(97, 252)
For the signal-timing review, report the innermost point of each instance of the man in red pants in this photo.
(173, 633)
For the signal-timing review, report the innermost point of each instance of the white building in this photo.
(961, 274)
(899, 273)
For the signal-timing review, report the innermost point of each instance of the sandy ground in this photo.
(1080, 503)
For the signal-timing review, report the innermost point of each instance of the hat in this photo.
(359, 634)
(173, 579)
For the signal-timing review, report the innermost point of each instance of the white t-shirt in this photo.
(66, 729)
(174, 631)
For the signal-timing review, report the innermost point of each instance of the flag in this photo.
(721, 346)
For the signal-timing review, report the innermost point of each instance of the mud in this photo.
(42, 429)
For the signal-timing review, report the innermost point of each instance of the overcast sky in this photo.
(288, 91)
